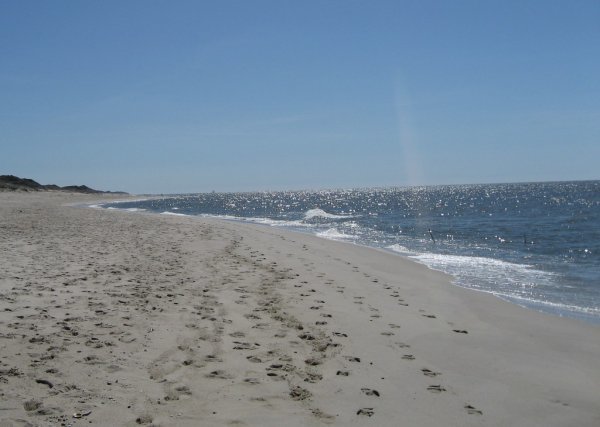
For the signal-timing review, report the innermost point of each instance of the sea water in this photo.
(535, 244)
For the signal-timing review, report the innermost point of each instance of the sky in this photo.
(192, 96)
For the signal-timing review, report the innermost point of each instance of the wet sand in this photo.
(116, 318)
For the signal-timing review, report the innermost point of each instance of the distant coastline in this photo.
(14, 183)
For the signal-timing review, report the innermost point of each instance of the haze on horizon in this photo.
(188, 96)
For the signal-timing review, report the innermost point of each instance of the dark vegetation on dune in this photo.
(14, 183)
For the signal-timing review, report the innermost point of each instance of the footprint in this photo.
(472, 410)
(299, 393)
(436, 388)
(144, 419)
(177, 392)
(306, 337)
(352, 359)
(252, 316)
(343, 373)
(244, 345)
(219, 373)
(312, 377)
(430, 316)
(408, 357)
(430, 373)
(340, 334)
(365, 411)
(558, 401)
(320, 414)
(460, 331)
(369, 391)
(387, 333)
(92, 360)
(278, 366)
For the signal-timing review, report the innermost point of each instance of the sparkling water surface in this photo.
(535, 244)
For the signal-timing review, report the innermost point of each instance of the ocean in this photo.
(534, 244)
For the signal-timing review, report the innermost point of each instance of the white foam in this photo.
(518, 283)
(134, 210)
(470, 261)
(276, 222)
(227, 217)
(335, 234)
(173, 213)
(400, 249)
(137, 200)
(320, 213)
(258, 220)
(527, 301)
(490, 275)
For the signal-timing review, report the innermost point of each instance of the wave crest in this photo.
(335, 234)
(320, 213)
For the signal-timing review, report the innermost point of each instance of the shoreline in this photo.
(159, 320)
(547, 307)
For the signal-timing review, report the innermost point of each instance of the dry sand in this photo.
(115, 318)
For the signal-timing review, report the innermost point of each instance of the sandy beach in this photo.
(115, 318)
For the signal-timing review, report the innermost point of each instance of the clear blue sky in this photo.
(186, 96)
